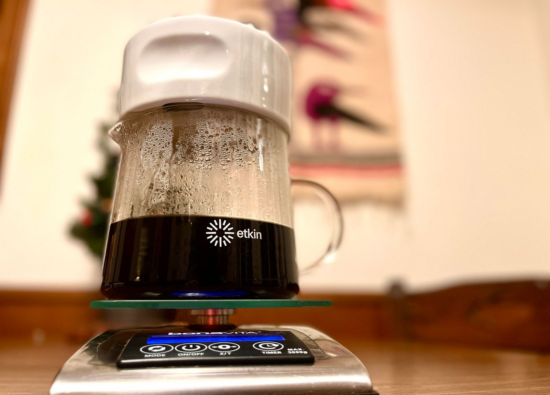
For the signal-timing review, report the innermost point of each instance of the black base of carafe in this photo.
(133, 291)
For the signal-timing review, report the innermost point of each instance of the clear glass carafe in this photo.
(202, 207)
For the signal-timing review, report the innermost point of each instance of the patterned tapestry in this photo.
(345, 126)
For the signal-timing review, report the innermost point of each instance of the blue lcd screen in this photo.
(210, 337)
(210, 294)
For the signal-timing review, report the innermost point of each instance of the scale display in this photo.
(214, 337)
(214, 348)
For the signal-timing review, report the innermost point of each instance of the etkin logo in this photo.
(220, 233)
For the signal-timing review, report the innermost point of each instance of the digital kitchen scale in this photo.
(210, 356)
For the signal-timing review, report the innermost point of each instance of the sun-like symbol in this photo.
(220, 232)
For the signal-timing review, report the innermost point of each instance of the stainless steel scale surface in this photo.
(211, 356)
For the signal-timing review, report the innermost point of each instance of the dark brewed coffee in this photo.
(193, 257)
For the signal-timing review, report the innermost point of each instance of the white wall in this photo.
(473, 98)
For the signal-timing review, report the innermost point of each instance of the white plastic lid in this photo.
(207, 60)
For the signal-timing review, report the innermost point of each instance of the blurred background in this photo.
(429, 119)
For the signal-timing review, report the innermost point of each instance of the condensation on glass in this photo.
(194, 159)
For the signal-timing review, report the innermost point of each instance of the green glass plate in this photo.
(206, 304)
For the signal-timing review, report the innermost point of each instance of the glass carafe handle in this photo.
(336, 220)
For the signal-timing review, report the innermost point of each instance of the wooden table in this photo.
(404, 369)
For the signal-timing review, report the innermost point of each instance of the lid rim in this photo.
(207, 102)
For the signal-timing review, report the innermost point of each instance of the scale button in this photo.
(268, 346)
(156, 348)
(191, 347)
(224, 347)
